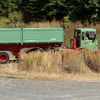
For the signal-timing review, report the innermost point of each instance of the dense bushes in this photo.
(44, 10)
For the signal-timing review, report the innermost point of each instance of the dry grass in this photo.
(60, 66)
(13, 72)
(55, 66)
(58, 62)
(92, 60)
(47, 24)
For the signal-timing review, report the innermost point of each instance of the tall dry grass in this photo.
(61, 62)
(49, 62)
(92, 60)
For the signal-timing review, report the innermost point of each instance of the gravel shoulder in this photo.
(18, 89)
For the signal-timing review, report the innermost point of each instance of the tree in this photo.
(6, 6)
(41, 10)
(84, 9)
(34, 9)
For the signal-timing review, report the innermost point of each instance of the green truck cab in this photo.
(86, 37)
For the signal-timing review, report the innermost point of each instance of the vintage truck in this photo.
(14, 39)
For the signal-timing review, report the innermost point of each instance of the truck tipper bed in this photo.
(14, 39)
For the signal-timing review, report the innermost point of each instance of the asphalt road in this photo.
(18, 89)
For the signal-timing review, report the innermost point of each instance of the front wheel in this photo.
(4, 57)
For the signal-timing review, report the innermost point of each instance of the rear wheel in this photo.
(4, 57)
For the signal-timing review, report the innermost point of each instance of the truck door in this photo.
(89, 40)
(77, 35)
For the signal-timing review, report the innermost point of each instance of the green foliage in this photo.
(27, 61)
(50, 9)
(35, 9)
(84, 9)
(3, 20)
(15, 17)
(6, 6)
(66, 20)
(44, 10)
(38, 60)
(66, 42)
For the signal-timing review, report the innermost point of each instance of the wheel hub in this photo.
(3, 57)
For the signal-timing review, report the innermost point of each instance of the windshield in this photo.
(90, 35)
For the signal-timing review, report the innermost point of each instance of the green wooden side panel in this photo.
(31, 35)
(42, 35)
(10, 35)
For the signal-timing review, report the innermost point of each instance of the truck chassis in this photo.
(15, 49)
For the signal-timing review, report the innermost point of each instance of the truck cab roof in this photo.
(85, 29)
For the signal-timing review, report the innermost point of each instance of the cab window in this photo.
(90, 35)
(77, 34)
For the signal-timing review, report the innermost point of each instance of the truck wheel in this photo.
(4, 57)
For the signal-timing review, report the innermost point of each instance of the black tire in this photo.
(33, 50)
(4, 57)
(23, 51)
